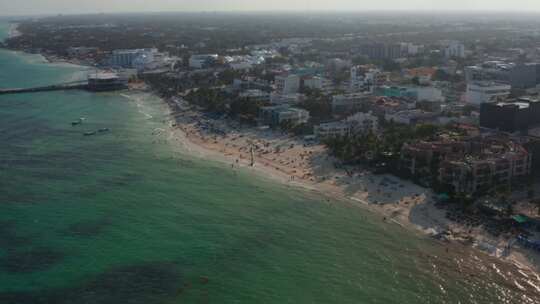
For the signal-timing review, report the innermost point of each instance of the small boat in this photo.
(78, 121)
(103, 130)
(89, 133)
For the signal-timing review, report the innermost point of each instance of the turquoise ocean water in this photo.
(123, 218)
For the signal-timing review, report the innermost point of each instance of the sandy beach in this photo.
(307, 165)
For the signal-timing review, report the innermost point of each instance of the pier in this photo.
(96, 82)
(75, 85)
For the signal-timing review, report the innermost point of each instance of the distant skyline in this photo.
(32, 7)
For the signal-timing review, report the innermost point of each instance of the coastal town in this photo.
(439, 134)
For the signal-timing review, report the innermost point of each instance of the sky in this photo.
(29, 7)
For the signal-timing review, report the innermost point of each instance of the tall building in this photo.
(354, 84)
(128, 58)
(381, 51)
(524, 76)
(511, 116)
(454, 49)
(489, 71)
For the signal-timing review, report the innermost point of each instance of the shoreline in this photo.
(397, 201)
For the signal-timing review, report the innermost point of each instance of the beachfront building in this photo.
(480, 92)
(467, 166)
(280, 114)
(101, 81)
(332, 129)
(360, 123)
(130, 57)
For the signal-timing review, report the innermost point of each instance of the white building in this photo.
(454, 49)
(411, 48)
(332, 129)
(314, 82)
(427, 94)
(479, 92)
(129, 58)
(277, 115)
(375, 77)
(360, 123)
(356, 81)
(287, 84)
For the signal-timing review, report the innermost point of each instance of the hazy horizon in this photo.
(39, 7)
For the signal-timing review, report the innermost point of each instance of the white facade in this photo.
(130, 58)
(287, 84)
(411, 49)
(313, 83)
(454, 49)
(481, 92)
(332, 129)
(428, 94)
(360, 123)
